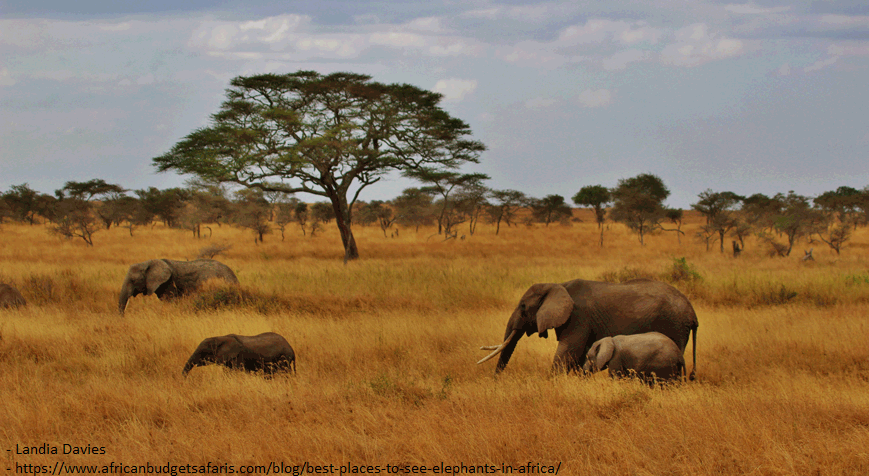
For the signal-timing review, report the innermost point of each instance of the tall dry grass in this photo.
(386, 349)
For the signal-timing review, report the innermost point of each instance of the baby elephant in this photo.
(268, 352)
(10, 297)
(651, 355)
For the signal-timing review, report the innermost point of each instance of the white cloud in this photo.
(821, 64)
(620, 60)
(145, 80)
(600, 30)
(6, 79)
(749, 9)
(123, 26)
(595, 97)
(694, 46)
(539, 103)
(397, 39)
(844, 20)
(837, 51)
(428, 24)
(455, 89)
(784, 70)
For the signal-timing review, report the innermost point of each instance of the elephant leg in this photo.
(568, 358)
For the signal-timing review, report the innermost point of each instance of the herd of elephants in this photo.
(635, 328)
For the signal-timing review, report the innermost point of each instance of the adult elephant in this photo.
(582, 312)
(169, 278)
(268, 352)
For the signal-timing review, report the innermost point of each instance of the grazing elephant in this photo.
(582, 312)
(649, 356)
(169, 278)
(268, 352)
(10, 297)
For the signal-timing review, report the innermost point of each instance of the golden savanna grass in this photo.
(387, 347)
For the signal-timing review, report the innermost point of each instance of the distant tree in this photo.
(718, 208)
(5, 211)
(844, 202)
(796, 218)
(300, 215)
(167, 205)
(21, 201)
(838, 211)
(414, 208)
(760, 211)
(285, 209)
(320, 214)
(327, 135)
(674, 216)
(597, 197)
(471, 202)
(549, 209)
(91, 189)
(205, 203)
(442, 183)
(74, 218)
(252, 211)
(103, 198)
(506, 204)
(638, 203)
(835, 235)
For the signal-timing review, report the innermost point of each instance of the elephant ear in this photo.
(605, 350)
(158, 273)
(555, 308)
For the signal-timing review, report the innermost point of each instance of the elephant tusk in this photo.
(497, 349)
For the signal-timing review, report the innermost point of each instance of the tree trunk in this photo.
(342, 219)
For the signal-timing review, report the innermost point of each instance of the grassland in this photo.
(387, 348)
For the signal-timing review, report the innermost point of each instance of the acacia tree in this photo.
(597, 197)
(795, 219)
(443, 183)
(638, 203)
(717, 207)
(413, 207)
(327, 135)
(550, 208)
(507, 203)
(844, 202)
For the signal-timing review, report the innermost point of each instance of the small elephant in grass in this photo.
(650, 356)
(169, 278)
(268, 352)
(10, 297)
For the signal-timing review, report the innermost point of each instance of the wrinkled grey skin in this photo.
(169, 278)
(268, 352)
(649, 356)
(582, 312)
(10, 297)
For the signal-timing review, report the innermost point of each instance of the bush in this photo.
(680, 271)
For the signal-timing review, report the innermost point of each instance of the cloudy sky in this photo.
(763, 97)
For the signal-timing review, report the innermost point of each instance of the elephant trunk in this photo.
(126, 291)
(509, 346)
(191, 362)
(496, 348)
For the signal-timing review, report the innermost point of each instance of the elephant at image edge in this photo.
(582, 312)
(268, 352)
(10, 297)
(169, 278)
(650, 356)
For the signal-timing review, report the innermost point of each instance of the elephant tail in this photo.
(694, 351)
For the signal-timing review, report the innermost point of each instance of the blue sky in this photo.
(767, 97)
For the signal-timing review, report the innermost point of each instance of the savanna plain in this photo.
(387, 348)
